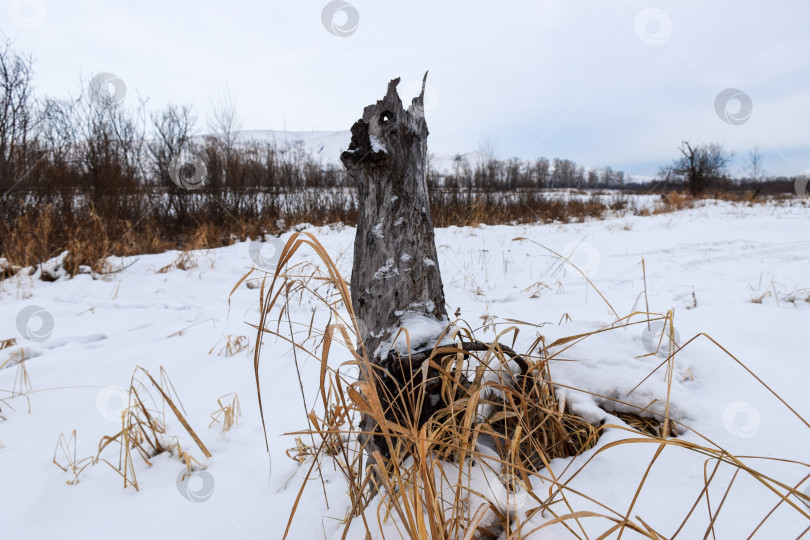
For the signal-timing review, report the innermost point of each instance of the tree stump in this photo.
(395, 280)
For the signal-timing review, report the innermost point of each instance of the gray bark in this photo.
(395, 276)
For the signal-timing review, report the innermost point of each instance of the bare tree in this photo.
(487, 170)
(513, 172)
(593, 178)
(541, 169)
(109, 141)
(564, 173)
(700, 166)
(224, 121)
(221, 154)
(754, 167)
(15, 114)
(173, 130)
(487, 150)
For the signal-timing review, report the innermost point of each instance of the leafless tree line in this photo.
(67, 164)
(491, 174)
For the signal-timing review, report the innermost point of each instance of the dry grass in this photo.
(65, 457)
(185, 261)
(20, 388)
(22, 381)
(509, 207)
(796, 296)
(143, 223)
(645, 424)
(143, 434)
(428, 478)
(232, 345)
(228, 413)
(144, 427)
(674, 201)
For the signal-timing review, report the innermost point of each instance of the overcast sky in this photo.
(616, 83)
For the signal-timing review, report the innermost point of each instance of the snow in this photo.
(377, 231)
(736, 272)
(386, 271)
(376, 145)
(418, 330)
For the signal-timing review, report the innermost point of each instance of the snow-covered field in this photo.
(737, 273)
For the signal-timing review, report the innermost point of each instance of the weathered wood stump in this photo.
(395, 277)
(395, 280)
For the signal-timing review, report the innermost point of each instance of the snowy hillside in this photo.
(735, 272)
